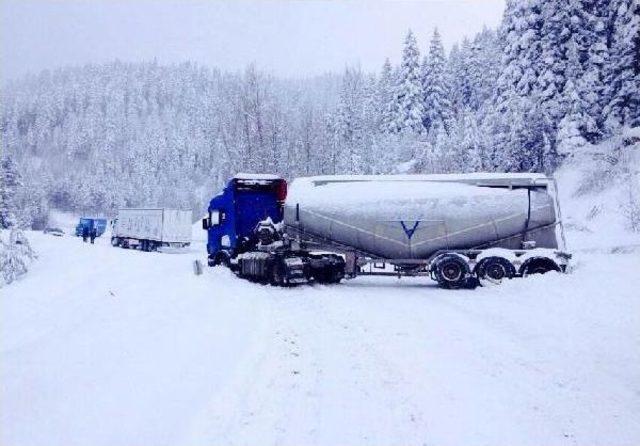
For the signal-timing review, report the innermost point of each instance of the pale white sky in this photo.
(289, 38)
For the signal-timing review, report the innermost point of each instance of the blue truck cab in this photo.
(233, 214)
(100, 225)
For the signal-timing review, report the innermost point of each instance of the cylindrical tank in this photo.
(405, 218)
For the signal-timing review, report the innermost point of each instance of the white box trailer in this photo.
(149, 229)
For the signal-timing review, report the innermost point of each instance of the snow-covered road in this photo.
(103, 346)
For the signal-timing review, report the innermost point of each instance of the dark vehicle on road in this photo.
(54, 231)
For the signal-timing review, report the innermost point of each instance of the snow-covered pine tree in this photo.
(581, 100)
(623, 77)
(528, 147)
(472, 141)
(387, 102)
(586, 55)
(350, 123)
(521, 51)
(555, 32)
(437, 98)
(371, 117)
(458, 67)
(570, 137)
(10, 182)
(409, 89)
(482, 66)
(15, 255)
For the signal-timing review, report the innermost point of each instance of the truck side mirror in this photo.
(205, 223)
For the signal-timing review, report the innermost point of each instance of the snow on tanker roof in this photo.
(256, 176)
(371, 188)
(342, 191)
(481, 178)
(411, 197)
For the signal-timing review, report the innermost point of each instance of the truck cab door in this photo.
(214, 224)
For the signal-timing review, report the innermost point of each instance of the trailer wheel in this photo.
(331, 273)
(278, 273)
(451, 271)
(115, 242)
(328, 277)
(494, 270)
(538, 265)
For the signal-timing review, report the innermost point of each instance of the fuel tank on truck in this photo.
(413, 216)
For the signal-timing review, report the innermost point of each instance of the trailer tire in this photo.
(538, 265)
(451, 271)
(331, 273)
(493, 270)
(115, 242)
(328, 277)
(278, 273)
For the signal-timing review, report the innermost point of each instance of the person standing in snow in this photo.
(85, 234)
(93, 235)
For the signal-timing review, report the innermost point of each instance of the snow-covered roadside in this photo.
(595, 191)
(107, 346)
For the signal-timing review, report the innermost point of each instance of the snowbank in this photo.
(599, 191)
(15, 255)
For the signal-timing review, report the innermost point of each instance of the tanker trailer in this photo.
(458, 229)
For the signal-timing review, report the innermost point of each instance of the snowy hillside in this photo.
(600, 194)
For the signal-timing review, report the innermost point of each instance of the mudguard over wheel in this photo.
(538, 265)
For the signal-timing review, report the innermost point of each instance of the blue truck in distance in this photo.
(243, 233)
(100, 225)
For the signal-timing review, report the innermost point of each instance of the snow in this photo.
(344, 192)
(256, 176)
(410, 197)
(479, 177)
(118, 347)
(594, 194)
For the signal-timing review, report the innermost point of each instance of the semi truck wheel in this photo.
(221, 259)
(278, 274)
(494, 270)
(115, 241)
(451, 271)
(538, 265)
